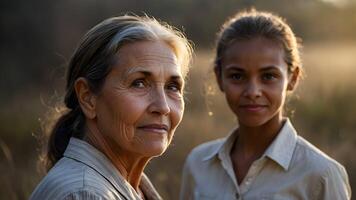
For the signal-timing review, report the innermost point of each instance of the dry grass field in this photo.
(323, 110)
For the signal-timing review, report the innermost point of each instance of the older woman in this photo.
(124, 96)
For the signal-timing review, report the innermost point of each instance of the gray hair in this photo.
(93, 60)
(150, 29)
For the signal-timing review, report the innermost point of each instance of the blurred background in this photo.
(38, 37)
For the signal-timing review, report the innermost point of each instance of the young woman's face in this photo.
(254, 79)
(141, 102)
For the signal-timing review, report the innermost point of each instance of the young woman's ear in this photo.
(217, 72)
(293, 79)
(86, 98)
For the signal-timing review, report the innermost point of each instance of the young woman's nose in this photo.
(159, 103)
(252, 90)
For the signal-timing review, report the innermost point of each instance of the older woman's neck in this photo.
(129, 165)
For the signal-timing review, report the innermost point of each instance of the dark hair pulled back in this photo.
(251, 24)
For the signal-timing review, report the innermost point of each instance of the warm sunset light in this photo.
(339, 2)
(39, 38)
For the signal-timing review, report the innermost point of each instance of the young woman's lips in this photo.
(154, 128)
(253, 107)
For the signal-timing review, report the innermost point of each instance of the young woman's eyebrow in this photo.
(269, 68)
(234, 68)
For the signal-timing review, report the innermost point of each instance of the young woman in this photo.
(257, 63)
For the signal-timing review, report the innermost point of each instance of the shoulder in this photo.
(330, 176)
(314, 157)
(206, 149)
(317, 163)
(70, 179)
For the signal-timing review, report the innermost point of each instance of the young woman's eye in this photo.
(139, 83)
(237, 76)
(269, 77)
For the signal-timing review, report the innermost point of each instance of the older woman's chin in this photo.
(151, 145)
(154, 149)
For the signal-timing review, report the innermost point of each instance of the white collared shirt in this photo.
(290, 168)
(84, 173)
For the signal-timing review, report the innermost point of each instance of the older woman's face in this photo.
(141, 102)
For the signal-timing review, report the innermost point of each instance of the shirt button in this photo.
(248, 181)
(237, 195)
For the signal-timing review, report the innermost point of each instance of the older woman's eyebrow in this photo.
(148, 73)
(144, 72)
(177, 78)
(137, 70)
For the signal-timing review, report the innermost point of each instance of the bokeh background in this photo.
(38, 37)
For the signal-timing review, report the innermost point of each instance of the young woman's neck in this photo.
(129, 165)
(253, 141)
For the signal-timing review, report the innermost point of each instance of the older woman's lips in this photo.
(253, 107)
(154, 128)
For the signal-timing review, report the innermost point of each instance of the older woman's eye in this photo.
(175, 87)
(139, 83)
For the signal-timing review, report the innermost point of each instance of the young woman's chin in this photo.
(253, 120)
(260, 118)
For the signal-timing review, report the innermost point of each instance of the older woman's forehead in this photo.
(146, 53)
(148, 48)
(150, 58)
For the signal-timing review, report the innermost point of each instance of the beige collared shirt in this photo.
(84, 173)
(290, 168)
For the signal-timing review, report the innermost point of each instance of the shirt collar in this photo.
(282, 148)
(83, 152)
(224, 145)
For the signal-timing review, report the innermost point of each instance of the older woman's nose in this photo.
(159, 103)
(253, 90)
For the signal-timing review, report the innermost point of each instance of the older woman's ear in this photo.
(86, 98)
